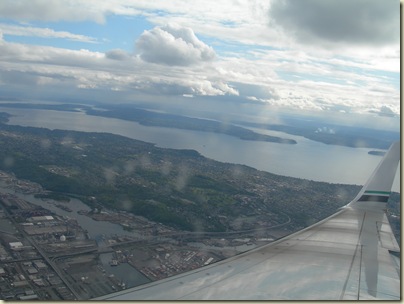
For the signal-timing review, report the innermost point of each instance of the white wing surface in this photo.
(350, 255)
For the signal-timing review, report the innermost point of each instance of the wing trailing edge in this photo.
(376, 192)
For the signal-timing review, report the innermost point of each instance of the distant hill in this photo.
(356, 137)
(150, 118)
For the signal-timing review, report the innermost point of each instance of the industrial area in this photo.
(48, 255)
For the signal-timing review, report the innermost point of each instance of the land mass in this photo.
(4, 117)
(320, 131)
(150, 118)
(168, 199)
(180, 188)
(354, 137)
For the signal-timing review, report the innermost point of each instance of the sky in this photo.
(330, 57)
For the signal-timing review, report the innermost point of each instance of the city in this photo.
(47, 256)
(91, 219)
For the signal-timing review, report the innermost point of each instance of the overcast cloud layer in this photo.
(344, 21)
(336, 55)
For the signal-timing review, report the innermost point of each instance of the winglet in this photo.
(376, 191)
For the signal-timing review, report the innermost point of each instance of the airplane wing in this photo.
(351, 255)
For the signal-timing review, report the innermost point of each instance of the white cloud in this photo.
(15, 30)
(173, 45)
(86, 69)
(251, 80)
(172, 60)
(243, 21)
(52, 10)
(187, 87)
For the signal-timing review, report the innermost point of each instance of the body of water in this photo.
(96, 229)
(128, 274)
(307, 159)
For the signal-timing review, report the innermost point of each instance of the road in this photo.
(43, 254)
(226, 234)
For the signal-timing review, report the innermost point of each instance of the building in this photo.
(41, 218)
(40, 265)
(15, 245)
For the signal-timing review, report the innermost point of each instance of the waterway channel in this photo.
(129, 275)
(96, 229)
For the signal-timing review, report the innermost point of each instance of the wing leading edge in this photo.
(348, 256)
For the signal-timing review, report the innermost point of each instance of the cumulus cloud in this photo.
(173, 45)
(50, 68)
(385, 111)
(367, 22)
(181, 87)
(170, 60)
(257, 92)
